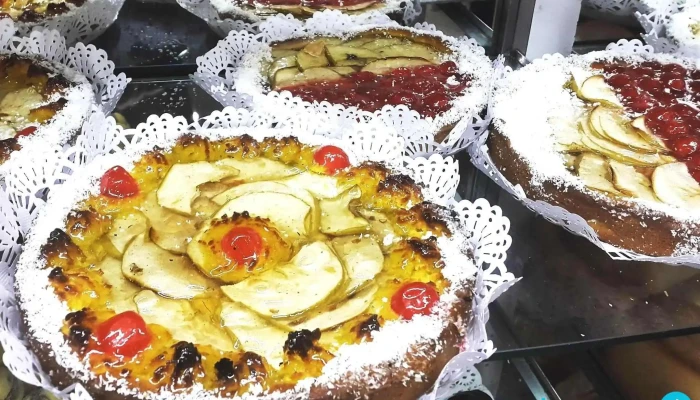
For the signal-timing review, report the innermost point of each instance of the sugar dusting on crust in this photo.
(228, 8)
(67, 121)
(470, 59)
(527, 99)
(45, 312)
(680, 29)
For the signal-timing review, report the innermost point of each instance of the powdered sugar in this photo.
(45, 312)
(682, 28)
(232, 9)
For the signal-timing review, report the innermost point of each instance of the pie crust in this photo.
(379, 235)
(609, 137)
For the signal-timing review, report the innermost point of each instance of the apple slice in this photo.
(578, 76)
(411, 50)
(126, 228)
(379, 42)
(255, 333)
(280, 53)
(258, 169)
(122, 291)
(594, 89)
(289, 214)
(360, 41)
(294, 44)
(646, 134)
(339, 54)
(380, 226)
(312, 55)
(284, 78)
(282, 63)
(362, 258)
(614, 126)
(157, 269)
(291, 289)
(384, 66)
(264, 186)
(179, 187)
(595, 173)
(674, 185)
(169, 231)
(339, 313)
(630, 182)
(183, 321)
(321, 186)
(344, 71)
(336, 217)
(621, 153)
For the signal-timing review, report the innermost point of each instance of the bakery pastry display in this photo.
(216, 267)
(367, 69)
(299, 8)
(37, 10)
(610, 137)
(39, 98)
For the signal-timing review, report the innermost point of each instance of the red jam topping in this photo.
(427, 89)
(26, 131)
(332, 158)
(118, 183)
(308, 3)
(659, 92)
(242, 245)
(123, 335)
(415, 298)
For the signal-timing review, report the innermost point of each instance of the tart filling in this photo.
(239, 266)
(37, 98)
(439, 77)
(623, 128)
(301, 8)
(36, 10)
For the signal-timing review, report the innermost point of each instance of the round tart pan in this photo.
(585, 133)
(397, 355)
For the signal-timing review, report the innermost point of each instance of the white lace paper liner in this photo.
(557, 215)
(80, 24)
(250, 22)
(487, 228)
(78, 63)
(666, 26)
(617, 8)
(230, 73)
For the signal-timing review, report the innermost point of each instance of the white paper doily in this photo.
(487, 227)
(655, 19)
(251, 23)
(217, 74)
(618, 8)
(81, 24)
(88, 61)
(557, 215)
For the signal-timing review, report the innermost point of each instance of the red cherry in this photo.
(641, 104)
(415, 298)
(403, 71)
(118, 183)
(684, 146)
(123, 335)
(401, 97)
(436, 103)
(677, 84)
(674, 69)
(363, 77)
(619, 80)
(650, 85)
(331, 157)
(242, 245)
(448, 68)
(674, 129)
(629, 92)
(693, 162)
(26, 131)
(684, 110)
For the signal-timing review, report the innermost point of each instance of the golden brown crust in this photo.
(616, 221)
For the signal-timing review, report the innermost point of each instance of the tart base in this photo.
(616, 221)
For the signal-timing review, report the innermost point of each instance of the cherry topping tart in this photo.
(123, 335)
(415, 298)
(117, 183)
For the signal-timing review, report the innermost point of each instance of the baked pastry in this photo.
(683, 28)
(369, 68)
(38, 99)
(238, 267)
(256, 9)
(612, 138)
(37, 10)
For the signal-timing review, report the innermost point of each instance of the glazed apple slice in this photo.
(380, 42)
(169, 275)
(313, 55)
(342, 55)
(255, 333)
(615, 127)
(321, 186)
(596, 90)
(411, 50)
(673, 184)
(621, 153)
(339, 313)
(630, 182)
(291, 289)
(264, 186)
(258, 169)
(182, 320)
(126, 228)
(595, 173)
(336, 217)
(381, 227)
(362, 258)
(180, 185)
(384, 66)
(640, 125)
(292, 76)
(282, 63)
(122, 291)
(289, 214)
(169, 231)
(344, 71)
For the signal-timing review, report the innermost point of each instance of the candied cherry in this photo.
(403, 71)
(332, 158)
(438, 102)
(619, 80)
(674, 129)
(401, 97)
(651, 85)
(123, 335)
(677, 85)
(26, 131)
(629, 92)
(674, 69)
(242, 245)
(684, 110)
(684, 146)
(448, 68)
(415, 298)
(118, 183)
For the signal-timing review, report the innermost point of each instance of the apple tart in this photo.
(37, 99)
(256, 9)
(37, 10)
(242, 267)
(369, 68)
(612, 138)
